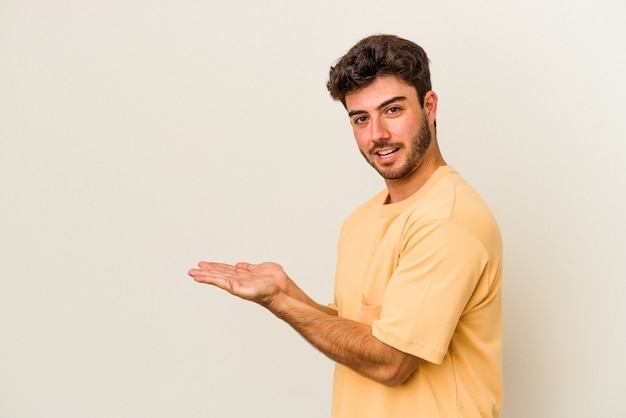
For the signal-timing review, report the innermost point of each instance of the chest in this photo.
(367, 257)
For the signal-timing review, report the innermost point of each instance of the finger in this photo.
(205, 264)
(259, 267)
(243, 265)
(215, 270)
(199, 275)
(216, 267)
(220, 283)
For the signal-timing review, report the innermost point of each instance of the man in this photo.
(415, 328)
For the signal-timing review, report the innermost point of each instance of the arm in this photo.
(344, 341)
(284, 282)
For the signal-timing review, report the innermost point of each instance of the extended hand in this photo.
(256, 282)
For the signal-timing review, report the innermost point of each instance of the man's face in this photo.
(390, 126)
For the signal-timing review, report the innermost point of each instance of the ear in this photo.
(430, 106)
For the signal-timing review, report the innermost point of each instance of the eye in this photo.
(359, 120)
(393, 110)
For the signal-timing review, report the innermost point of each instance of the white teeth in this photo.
(386, 153)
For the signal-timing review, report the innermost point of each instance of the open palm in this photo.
(255, 282)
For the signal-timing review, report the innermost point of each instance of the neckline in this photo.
(391, 209)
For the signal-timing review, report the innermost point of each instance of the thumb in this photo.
(243, 265)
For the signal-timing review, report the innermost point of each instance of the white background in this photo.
(139, 137)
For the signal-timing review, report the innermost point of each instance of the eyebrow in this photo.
(380, 106)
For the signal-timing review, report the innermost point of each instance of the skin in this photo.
(391, 130)
(386, 116)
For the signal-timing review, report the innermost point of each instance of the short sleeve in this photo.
(437, 272)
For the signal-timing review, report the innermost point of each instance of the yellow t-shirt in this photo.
(425, 273)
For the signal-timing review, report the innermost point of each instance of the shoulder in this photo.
(448, 197)
(453, 207)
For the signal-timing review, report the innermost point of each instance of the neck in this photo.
(400, 189)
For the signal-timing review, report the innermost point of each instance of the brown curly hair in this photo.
(380, 55)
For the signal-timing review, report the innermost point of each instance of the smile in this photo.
(386, 153)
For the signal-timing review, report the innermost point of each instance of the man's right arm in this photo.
(345, 341)
(280, 277)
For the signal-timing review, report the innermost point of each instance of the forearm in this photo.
(294, 291)
(344, 341)
(347, 342)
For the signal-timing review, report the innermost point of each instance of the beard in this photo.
(415, 154)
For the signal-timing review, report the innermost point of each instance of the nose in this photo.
(378, 130)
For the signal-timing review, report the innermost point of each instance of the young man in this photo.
(415, 328)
